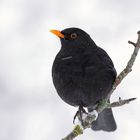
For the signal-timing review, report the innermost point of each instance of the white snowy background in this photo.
(30, 108)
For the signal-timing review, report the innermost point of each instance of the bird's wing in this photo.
(98, 61)
(104, 57)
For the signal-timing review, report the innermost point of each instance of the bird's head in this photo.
(73, 37)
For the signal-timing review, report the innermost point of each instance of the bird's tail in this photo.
(105, 121)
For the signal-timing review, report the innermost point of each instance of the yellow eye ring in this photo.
(73, 36)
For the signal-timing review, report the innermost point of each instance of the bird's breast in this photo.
(81, 81)
(72, 83)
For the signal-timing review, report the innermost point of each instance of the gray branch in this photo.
(78, 130)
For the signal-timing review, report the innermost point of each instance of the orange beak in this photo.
(57, 33)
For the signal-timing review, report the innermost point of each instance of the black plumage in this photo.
(83, 74)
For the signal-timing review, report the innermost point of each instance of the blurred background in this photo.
(30, 108)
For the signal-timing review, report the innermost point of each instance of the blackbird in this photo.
(83, 74)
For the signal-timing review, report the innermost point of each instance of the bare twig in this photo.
(78, 130)
(121, 102)
(130, 42)
(128, 68)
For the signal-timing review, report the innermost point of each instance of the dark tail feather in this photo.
(105, 121)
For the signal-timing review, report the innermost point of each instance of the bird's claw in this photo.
(76, 114)
(79, 114)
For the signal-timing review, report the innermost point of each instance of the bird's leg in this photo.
(83, 110)
(79, 114)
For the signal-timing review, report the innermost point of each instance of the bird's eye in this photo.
(73, 36)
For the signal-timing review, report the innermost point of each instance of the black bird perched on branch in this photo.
(83, 74)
